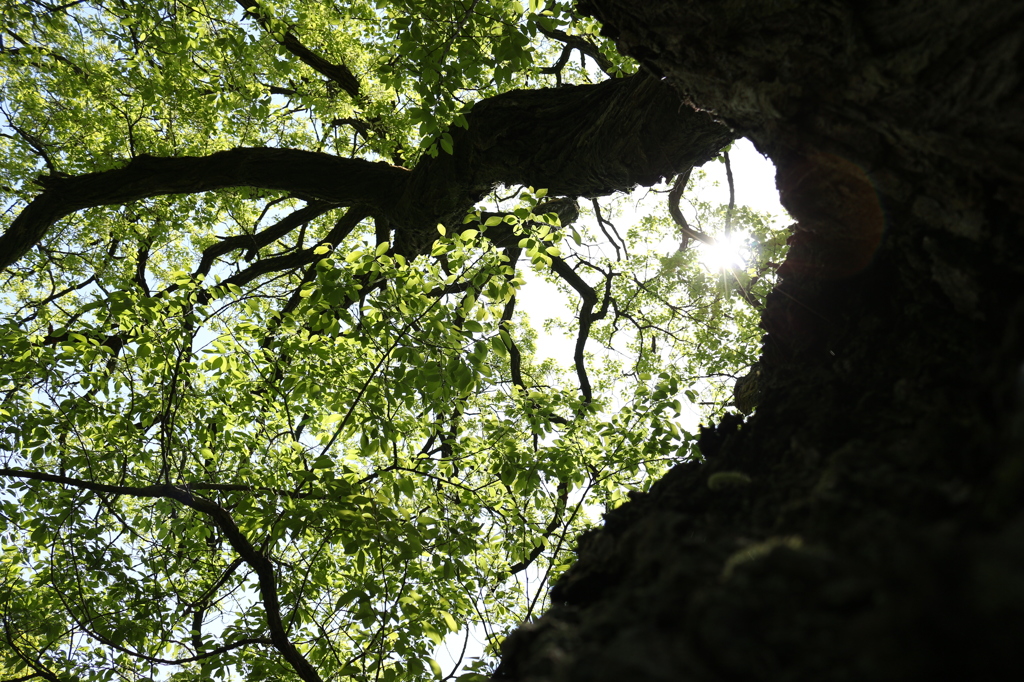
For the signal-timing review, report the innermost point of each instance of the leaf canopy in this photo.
(249, 429)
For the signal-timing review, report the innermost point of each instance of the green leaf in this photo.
(450, 621)
(499, 347)
(446, 143)
(433, 635)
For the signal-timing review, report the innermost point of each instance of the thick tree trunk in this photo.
(881, 535)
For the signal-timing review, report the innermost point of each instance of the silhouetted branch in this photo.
(673, 208)
(584, 46)
(338, 73)
(263, 238)
(339, 181)
(732, 194)
(563, 500)
(586, 316)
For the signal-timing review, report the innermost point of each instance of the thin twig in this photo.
(601, 223)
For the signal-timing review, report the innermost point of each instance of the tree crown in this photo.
(269, 406)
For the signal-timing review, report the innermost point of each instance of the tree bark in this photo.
(881, 534)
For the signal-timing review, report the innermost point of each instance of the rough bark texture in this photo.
(882, 534)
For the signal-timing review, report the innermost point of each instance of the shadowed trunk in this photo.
(881, 533)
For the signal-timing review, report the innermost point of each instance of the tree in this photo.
(269, 408)
(866, 521)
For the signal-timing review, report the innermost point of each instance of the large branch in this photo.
(585, 140)
(311, 175)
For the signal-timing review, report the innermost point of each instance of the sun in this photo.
(727, 253)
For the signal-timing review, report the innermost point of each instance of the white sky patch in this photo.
(753, 176)
(542, 301)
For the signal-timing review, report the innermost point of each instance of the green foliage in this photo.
(378, 435)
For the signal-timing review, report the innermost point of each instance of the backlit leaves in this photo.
(376, 433)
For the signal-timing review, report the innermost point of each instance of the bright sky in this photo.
(754, 182)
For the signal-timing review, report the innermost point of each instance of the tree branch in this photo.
(338, 73)
(732, 194)
(314, 175)
(583, 45)
(40, 671)
(236, 538)
(575, 141)
(263, 238)
(601, 223)
(673, 208)
(563, 500)
(587, 317)
(556, 68)
(290, 261)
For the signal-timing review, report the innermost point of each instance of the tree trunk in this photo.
(867, 522)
